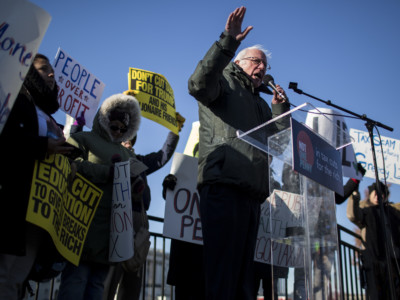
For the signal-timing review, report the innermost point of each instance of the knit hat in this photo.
(383, 188)
(119, 115)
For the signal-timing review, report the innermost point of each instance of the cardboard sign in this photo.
(156, 97)
(315, 158)
(332, 126)
(182, 205)
(121, 231)
(388, 148)
(280, 211)
(22, 27)
(192, 140)
(65, 214)
(79, 90)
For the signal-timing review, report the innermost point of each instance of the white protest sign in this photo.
(280, 211)
(121, 231)
(391, 154)
(79, 90)
(22, 27)
(331, 126)
(193, 139)
(182, 205)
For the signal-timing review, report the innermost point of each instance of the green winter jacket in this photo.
(229, 102)
(98, 151)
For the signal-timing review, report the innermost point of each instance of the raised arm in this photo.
(206, 83)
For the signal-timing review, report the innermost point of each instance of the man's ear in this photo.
(237, 61)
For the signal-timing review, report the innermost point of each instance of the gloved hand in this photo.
(80, 121)
(361, 169)
(168, 183)
(114, 159)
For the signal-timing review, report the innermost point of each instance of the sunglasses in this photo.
(116, 128)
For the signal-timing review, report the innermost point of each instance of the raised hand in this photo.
(234, 24)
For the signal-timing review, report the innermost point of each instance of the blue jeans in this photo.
(85, 282)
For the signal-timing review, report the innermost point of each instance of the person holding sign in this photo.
(31, 124)
(233, 175)
(367, 216)
(129, 282)
(117, 120)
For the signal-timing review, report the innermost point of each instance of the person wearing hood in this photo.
(366, 215)
(129, 282)
(29, 134)
(117, 120)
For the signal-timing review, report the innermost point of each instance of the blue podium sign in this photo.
(316, 159)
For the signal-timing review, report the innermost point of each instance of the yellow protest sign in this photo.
(64, 210)
(156, 97)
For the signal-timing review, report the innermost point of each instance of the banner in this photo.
(64, 210)
(22, 27)
(79, 90)
(156, 97)
(280, 211)
(388, 148)
(121, 231)
(182, 205)
(331, 126)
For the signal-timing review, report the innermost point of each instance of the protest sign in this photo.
(280, 211)
(65, 213)
(331, 126)
(182, 205)
(22, 27)
(387, 148)
(79, 90)
(121, 231)
(193, 140)
(156, 97)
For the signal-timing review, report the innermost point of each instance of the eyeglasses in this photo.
(257, 61)
(116, 128)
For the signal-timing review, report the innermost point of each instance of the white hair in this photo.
(243, 52)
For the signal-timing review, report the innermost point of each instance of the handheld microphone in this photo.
(269, 81)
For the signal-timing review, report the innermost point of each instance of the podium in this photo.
(298, 232)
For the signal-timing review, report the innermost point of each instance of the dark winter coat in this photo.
(20, 147)
(98, 152)
(228, 101)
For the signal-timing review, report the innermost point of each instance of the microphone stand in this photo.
(384, 221)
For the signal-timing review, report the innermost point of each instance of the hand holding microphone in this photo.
(279, 92)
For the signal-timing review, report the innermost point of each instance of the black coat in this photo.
(20, 147)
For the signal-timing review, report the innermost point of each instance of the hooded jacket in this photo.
(228, 101)
(100, 151)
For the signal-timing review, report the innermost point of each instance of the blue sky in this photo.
(346, 51)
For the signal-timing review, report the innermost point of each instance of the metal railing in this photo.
(154, 286)
(350, 266)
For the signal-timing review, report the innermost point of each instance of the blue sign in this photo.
(316, 159)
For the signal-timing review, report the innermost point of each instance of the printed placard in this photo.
(156, 97)
(182, 205)
(79, 90)
(121, 231)
(22, 28)
(315, 158)
(65, 213)
(388, 148)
